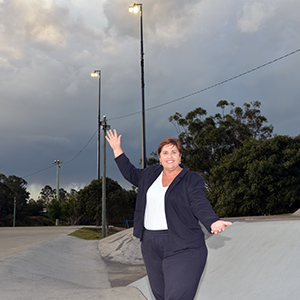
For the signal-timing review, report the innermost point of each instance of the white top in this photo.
(155, 216)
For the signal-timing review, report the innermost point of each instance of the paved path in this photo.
(253, 259)
(45, 263)
(15, 239)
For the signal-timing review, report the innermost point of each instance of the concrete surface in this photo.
(297, 213)
(15, 239)
(123, 258)
(257, 258)
(122, 247)
(58, 267)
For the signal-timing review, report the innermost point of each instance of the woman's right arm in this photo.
(127, 169)
(115, 142)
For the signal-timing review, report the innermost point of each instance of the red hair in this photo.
(170, 141)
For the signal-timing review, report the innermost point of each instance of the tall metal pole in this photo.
(97, 73)
(134, 8)
(99, 125)
(143, 93)
(104, 127)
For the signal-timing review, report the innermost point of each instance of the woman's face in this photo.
(170, 157)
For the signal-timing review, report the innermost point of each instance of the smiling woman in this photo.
(170, 203)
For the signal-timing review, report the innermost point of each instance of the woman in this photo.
(170, 202)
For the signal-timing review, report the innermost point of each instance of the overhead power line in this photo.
(28, 175)
(82, 148)
(175, 100)
(209, 87)
(67, 161)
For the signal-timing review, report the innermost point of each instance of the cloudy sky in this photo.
(49, 101)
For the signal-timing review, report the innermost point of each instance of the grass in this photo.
(90, 233)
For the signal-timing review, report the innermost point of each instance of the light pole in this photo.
(97, 73)
(135, 8)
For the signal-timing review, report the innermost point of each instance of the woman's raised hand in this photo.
(114, 141)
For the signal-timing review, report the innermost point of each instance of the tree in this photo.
(118, 202)
(70, 208)
(55, 209)
(62, 195)
(35, 208)
(89, 201)
(153, 160)
(261, 177)
(6, 205)
(47, 194)
(12, 187)
(255, 121)
(206, 140)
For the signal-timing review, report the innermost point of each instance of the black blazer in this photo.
(185, 203)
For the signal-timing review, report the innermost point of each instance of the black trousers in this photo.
(172, 275)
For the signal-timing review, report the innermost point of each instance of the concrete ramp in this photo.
(63, 268)
(250, 260)
(259, 260)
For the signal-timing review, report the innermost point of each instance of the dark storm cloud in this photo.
(49, 48)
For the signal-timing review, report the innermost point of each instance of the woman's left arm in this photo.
(219, 226)
(201, 207)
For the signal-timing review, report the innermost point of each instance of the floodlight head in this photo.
(134, 8)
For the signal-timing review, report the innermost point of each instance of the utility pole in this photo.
(15, 209)
(104, 127)
(57, 162)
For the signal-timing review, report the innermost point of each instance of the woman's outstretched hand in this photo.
(219, 226)
(114, 141)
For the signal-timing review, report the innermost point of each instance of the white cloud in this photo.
(34, 190)
(167, 23)
(39, 22)
(255, 14)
